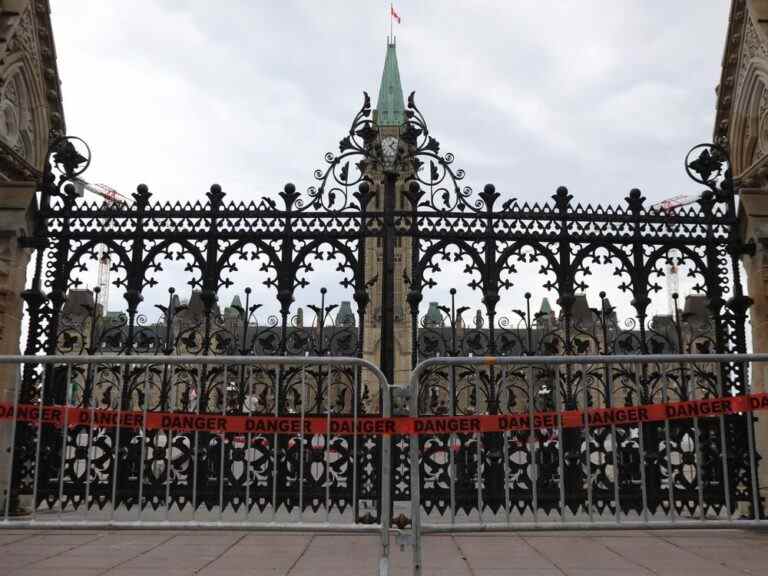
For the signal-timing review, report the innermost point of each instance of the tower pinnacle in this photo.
(390, 108)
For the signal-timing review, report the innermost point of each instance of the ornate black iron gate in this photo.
(388, 211)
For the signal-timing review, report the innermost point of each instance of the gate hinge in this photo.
(401, 400)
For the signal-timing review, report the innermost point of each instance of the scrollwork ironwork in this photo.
(280, 242)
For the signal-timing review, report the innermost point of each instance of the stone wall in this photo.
(15, 211)
(30, 95)
(754, 206)
(742, 126)
(30, 114)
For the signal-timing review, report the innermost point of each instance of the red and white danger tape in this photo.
(58, 415)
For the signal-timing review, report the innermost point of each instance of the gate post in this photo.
(754, 227)
(388, 280)
(15, 222)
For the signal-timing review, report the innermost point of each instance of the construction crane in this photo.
(111, 197)
(672, 273)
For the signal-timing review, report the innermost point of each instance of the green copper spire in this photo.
(545, 306)
(390, 109)
(434, 317)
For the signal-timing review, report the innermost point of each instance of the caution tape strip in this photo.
(71, 416)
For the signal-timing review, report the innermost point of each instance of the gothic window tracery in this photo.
(16, 119)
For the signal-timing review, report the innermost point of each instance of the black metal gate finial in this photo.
(413, 202)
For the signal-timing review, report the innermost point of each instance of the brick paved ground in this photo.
(159, 553)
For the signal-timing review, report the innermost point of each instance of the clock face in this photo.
(389, 146)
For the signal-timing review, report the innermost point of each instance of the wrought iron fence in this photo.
(293, 443)
(270, 443)
(662, 444)
(392, 221)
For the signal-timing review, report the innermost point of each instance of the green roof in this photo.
(390, 109)
(545, 307)
(345, 316)
(433, 317)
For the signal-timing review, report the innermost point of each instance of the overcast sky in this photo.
(598, 96)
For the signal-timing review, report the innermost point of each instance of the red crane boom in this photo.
(110, 196)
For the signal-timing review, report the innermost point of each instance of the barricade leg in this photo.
(758, 430)
(10, 378)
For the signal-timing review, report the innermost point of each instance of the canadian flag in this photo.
(394, 14)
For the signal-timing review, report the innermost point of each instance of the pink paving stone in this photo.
(579, 552)
(73, 562)
(500, 552)
(517, 572)
(271, 554)
(147, 572)
(60, 572)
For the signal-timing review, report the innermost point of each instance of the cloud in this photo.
(598, 96)
(653, 111)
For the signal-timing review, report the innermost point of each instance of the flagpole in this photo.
(391, 19)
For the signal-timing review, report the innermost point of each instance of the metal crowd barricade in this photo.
(191, 442)
(577, 470)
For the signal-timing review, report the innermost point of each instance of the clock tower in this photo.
(388, 119)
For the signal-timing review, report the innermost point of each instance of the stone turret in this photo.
(233, 310)
(581, 314)
(345, 318)
(78, 303)
(545, 318)
(434, 317)
(696, 309)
